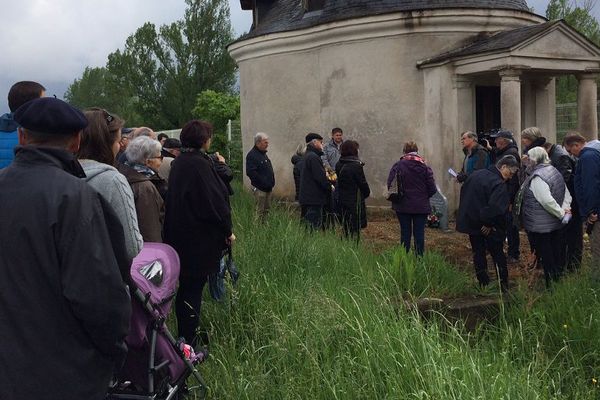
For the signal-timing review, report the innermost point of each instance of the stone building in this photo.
(388, 71)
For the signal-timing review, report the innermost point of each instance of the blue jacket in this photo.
(8, 139)
(587, 179)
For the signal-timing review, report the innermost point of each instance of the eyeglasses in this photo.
(152, 158)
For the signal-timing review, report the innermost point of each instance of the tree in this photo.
(166, 68)
(579, 16)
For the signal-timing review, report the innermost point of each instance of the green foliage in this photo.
(579, 16)
(218, 108)
(317, 317)
(160, 71)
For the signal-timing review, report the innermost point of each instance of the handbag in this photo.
(395, 192)
(216, 281)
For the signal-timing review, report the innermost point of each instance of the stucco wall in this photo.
(370, 87)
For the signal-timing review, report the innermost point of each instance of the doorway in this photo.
(487, 110)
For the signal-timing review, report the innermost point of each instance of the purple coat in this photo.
(418, 182)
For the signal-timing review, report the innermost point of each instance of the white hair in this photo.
(142, 148)
(259, 137)
(538, 155)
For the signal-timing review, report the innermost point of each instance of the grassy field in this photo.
(317, 317)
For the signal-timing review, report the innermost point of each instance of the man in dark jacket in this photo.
(64, 307)
(260, 172)
(484, 201)
(506, 146)
(476, 156)
(315, 188)
(587, 191)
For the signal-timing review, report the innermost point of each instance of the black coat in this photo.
(298, 162)
(352, 187)
(198, 215)
(64, 308)
(315, 189)
(484, 201)
(513, 184)
(260, 170)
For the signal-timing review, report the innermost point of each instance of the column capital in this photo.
(510, 74)
(587, 76)
(542, 82)
(462, 82)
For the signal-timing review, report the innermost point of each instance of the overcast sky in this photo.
(52, 41)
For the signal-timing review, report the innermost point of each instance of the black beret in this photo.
(172, 143)
(50, 115)
(312, 136)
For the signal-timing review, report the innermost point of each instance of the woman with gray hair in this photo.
(141, 170)
(544, 206)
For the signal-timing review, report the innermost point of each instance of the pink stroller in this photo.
(157, 365)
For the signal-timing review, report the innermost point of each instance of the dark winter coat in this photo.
(352, 187)
(64, 308)
(149, 204)
(315, 188)
(298, 162)
(476, 158)
(260, 170)
(418, 182)
(513, 184)
(484, 201)
(587, 179)
(198, 215)
(224, 172)
(560, 159)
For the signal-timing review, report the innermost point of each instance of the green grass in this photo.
(318, 317)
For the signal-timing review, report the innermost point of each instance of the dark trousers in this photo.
(412, 225)
(313, 216)
(187, 306)
(494, 245)
(350, 223)
(573, 237)
(512, 236)
(549, 247)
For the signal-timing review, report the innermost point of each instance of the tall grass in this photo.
(317, 317)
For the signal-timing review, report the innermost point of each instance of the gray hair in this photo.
(470, 134)
(259, 137)
(538, 155)
(531, 133)
(142, 148)
(301, 149)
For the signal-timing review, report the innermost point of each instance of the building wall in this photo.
(361, 75)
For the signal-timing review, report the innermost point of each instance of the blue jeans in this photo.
(412, 225)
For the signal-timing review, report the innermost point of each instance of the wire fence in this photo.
(566, 119)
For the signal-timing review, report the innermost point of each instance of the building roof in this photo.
(493, 42)
(286, 15)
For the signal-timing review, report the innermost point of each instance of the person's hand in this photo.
(565, 220)
(461, 177)
(486, 230)
(592, 218)
(230, 239)
(220, 158)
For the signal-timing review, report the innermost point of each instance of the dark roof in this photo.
(286, 15)
(493, 42)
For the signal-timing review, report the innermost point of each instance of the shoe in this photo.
(512, 261)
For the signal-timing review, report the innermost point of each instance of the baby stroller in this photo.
(157, 365)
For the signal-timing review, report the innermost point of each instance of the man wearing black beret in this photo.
(315, 188)
(64, 306)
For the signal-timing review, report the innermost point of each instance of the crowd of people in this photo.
(82, 193)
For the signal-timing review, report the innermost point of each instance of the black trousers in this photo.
(549, 247)
(573, 237)
(494, 245)
(350, 223)
(187, 307)
(512, 235)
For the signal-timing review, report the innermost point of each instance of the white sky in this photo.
(52, 41)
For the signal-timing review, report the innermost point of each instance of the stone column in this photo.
(545, 108)
(587, 99)
(510, 102)
(465, 97)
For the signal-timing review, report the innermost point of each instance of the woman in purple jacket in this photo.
(413, 208)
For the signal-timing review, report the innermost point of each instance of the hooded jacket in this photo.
(115, 190)
(64, 307)
(8, 139)
(587, 179)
